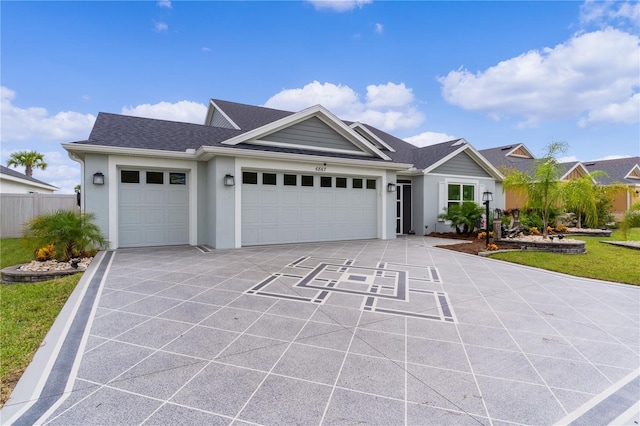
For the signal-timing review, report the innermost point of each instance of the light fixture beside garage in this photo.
(98, 178)
(229, 180)
(391, 187)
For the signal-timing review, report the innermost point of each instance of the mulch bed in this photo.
(474, 246)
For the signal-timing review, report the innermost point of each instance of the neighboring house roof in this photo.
(234, 126)
(13, 175)
(623, 170)
(519, 157)
(510, 156)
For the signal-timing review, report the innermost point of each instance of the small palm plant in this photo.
(70, 233)
(463, 216)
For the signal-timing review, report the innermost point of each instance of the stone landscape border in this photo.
(13, 275)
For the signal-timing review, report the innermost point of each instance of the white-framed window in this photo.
(458, 193)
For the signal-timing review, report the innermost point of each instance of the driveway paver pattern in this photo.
(366, 332)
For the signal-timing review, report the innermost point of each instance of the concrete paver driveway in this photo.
(357, 332)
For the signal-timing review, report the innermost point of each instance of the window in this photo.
(250, 178)
(371, 184)
(129, 176)
(177, 179)
(325, 181)
(341, 182)
(357, 183)
(156, 178)
(307, 180)
(290, 180)
(459, 193)
(268, 178)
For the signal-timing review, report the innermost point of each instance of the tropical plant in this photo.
(463, 216)
(542, 186)
(70, 233)
(27, 159)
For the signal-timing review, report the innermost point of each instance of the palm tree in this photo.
(580, 196)
(28, 159)
(542, 188)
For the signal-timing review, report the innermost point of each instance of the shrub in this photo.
(534, 230)
(482, 235)
(45, 253)
(492, 247)
(463, 217)
(70, 233)
(561, 228)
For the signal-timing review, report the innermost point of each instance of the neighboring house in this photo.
(518, 157)
(621, 170)
(13, 182)
(253, 176)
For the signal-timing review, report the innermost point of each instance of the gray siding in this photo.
(417, 204)
(218, 120)
(222, 205)
(391, 206)
(312, 132)
(461, 165)
(96, 197)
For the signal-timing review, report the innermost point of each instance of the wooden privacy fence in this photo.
(16, 209)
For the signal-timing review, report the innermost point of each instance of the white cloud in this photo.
(185, 111)
(605, 12)
(611, 157)
(591, 73)
(339, 5)
(160, 26)
(387, 106)
(379, 28)
(206, 49)
(429, 138)
(626, 112)
(36, 123)
(568, 159)
(165, 3)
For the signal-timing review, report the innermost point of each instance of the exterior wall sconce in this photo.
(229, 180)
(391, 187)
(98, 178)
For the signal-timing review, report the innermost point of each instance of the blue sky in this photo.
(495, 73)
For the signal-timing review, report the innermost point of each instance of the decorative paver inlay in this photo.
(385, 287)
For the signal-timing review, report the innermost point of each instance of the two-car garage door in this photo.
(288, 207)
(153, 208)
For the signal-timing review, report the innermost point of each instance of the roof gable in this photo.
(16, 176)
(634, 173)
(260, 135)
(440, 154)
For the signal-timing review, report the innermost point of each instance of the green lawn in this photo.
(27, 311)
(602, 261)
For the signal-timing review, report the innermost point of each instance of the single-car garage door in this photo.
(153, 208)
(289, 207)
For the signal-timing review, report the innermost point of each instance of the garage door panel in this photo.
(283, 214)
(155, 196)
(152, 214)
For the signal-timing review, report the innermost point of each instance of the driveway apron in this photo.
(367, 332)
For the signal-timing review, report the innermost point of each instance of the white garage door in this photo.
(153, 208)
(287, 208)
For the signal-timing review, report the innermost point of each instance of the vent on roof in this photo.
(506, 148)
(589, 164)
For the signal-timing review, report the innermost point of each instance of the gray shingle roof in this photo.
(115, 130)
(498, 157)
(616, 170)
(10, 172)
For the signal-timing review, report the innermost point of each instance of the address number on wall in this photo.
(321, 169)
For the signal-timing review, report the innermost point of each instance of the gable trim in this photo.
(572, 169)
(475, 156)
(370, 134)
(214, 107)
(317, 111)
(634, 173)
(308, 148)
(512, 153)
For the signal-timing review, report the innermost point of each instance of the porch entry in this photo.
(403, 207)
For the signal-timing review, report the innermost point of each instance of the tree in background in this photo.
(27, 159)
(580, 196)
(542, 186)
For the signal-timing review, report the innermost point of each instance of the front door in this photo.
(403, 207)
